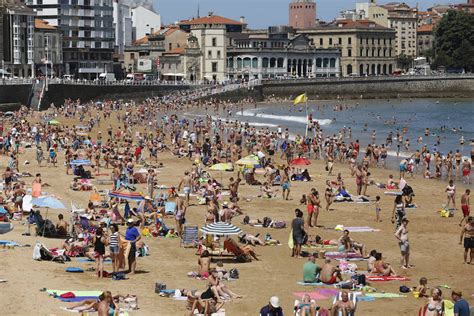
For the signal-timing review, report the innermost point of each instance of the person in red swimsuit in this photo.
(465, 206)
(329, 273)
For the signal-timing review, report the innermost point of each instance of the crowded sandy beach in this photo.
(135, 208)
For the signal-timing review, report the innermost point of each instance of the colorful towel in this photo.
(365, 299)
(76, 293)
(342, 255)
(380, 278)
(360, 229)
(310, 284)
(393, 193)
(77, 299)
(384, 295)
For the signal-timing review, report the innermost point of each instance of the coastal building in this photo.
(122, 24)
(16, 38)
(88, 36)
(467, 7)
(302, 14)
(144, 20)
(211, 33)
(366, 47)
(278, 52)
(48, 50)
(403, 19)
(425, 39)
(371, 11)
(144, 55)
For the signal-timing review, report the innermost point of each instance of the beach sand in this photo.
(435, 251)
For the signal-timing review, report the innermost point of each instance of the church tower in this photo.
(302, 14)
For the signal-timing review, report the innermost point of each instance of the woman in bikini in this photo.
(328, 195)
(435, 305)
(451, 193)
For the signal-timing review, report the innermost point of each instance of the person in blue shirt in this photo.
(273, 308)
(132, 235)
(461, 306)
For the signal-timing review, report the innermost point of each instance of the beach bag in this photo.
(159, 287)
(404, 289)
(234, 273)
(37, 252)
(361, 280)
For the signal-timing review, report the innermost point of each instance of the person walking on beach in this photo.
(132, 236)
(99, 241)
(465, 206)
(186, 183)
(466, 171)
(298, 232)
(468, 234)
(402, 235)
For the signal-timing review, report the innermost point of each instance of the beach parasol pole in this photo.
(44, 220)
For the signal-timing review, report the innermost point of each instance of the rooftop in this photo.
(425, 28)
(210, 19)
(44, 25)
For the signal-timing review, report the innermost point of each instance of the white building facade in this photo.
(144, 21)
(212, 41)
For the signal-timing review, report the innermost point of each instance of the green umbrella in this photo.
(54, 122)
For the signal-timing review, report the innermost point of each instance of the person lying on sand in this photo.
(105, 305)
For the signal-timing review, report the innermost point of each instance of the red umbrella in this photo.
(300, 162)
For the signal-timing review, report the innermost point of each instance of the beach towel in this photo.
(342, 255)
(313, 295)
(9, 243)
(365, 299)
(77, 299)
(384, 295)
(381, 278)
(76, 293)
(74, 270)
(393, 193)
(310, 284)
(36, 190)
(170, 208)
(360, 229)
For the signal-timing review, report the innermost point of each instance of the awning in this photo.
(169, 74)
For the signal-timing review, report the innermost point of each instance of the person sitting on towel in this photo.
(329, 273)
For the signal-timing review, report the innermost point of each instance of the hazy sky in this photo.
(262, 13)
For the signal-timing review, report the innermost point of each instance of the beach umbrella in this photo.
(222, 167)
(221, 228)
(54, 122)
(48, 202)
(300, 162)
(80, 162)
(250, 160)
(127, 195)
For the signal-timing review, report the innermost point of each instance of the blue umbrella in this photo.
(80, 162)
(49, 202)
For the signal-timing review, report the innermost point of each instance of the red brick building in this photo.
(302, 14)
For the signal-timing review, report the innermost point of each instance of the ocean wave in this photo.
(297, 119)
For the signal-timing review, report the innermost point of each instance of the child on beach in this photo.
(377, 208)
(422, 288)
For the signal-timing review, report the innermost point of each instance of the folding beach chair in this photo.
(352, 297)
(189, 237)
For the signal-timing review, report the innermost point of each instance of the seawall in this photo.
(376, 88)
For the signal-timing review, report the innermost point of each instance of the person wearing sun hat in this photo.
(272, 308)
(461, 306)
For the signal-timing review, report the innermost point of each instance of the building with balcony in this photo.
(366, 48)
(16, 38)
(425, 39)
(88, 34)
(278, 52)
(144, 55)
(404, 20)
(48, 49)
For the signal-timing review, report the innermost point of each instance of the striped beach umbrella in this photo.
(127, 195)
(221, 228)
(300, 162)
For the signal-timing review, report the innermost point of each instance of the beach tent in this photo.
(221, 229)
(300, 162)
(127, 195)
(222, 167)
(249, 161)
(54, 122)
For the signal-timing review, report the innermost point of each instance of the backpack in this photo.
(404, 289)
(279, 224)
(234, 273)
(361, 280)
(407, 190)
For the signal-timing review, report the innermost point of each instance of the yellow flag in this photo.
(300, 99)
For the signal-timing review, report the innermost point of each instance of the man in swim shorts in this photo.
(329, 273)
(285, 186)
(186, 183)
(465, 206)
(468, 234)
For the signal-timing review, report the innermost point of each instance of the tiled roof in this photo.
(43, 25)
(212, 19)
(351, 24)
(177, 50)
(425, 28)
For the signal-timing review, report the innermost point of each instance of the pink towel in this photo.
(380, 278)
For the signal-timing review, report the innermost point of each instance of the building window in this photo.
(321, 42)
(340, 40)
(214, 67)
(170, 46)
(361, 52)
(209, 53)
(349, 52)
(132, 56)
(349, 40)
(218, 54)
(330, 41)
(214, 41)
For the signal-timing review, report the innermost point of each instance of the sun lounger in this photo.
(170, 208)
(190, 236)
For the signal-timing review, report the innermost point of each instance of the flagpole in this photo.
(307, 121)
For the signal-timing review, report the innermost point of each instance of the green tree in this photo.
(454, 41)
(404, 62)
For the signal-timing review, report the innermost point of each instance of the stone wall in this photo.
(239, 94)
(417, 87)
(15, 93)
(57, 93)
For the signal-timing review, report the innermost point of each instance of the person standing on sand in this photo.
(298, 232)
(186, 183)
(132, 236)
(466, 171)
(451, 192)
(311, 208)
(402, 235)
(468, 234)
(465, 206)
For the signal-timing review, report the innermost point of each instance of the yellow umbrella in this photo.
(250, 160)
(222, 167)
